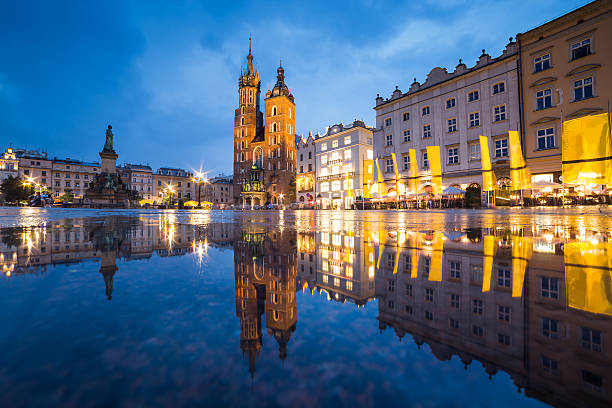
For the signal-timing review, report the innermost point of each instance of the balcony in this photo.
(336, 176)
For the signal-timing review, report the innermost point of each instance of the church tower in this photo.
(248, 124)
(280, 135)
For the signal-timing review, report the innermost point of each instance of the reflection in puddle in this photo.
(534, 302)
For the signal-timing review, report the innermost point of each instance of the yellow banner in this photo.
(488, 177)
(435, 272)
(519, 174)
(588, 276)
(521, 253)
(397, 176)
(435, 167)
(489, 253)
(382, 238)
(380, 180)
(414, 171)
(587, 150)
(368, 178)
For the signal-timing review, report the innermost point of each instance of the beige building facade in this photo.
(305, 178)
(72, 176)
(566, 73)
(451, 110)
(178, 181)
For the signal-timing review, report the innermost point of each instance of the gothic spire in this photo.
(250, 60)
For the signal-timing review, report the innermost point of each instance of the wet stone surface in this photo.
(304, 308)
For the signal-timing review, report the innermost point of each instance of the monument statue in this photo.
(108, 145)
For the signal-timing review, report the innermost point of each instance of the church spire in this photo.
(250, 60)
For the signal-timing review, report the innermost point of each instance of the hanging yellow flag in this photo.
(414, 171)
(397, 176)
(588, 276)
(435, 167)
(489, 253)
(381, 181)
(521, 253)
(435, 273)
(368, 178)
(519, 174)
(587, 150)
(488, 176)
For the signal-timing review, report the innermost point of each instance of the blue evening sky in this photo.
(164, 74)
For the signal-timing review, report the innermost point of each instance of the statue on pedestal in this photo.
(108, 145)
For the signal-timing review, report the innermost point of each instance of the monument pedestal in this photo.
(107, 189)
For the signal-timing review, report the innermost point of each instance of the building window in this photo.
(452, 125)
(454, 301)
(501, 148)
(541, 63)
(408, 290)
(453, 155)
(503, 339)
(301, 157)
(453, 323)
(450, 103)
(406, 162)
(389, 167)
(503, 278)
(388, 122)
(301, 169)
(426, 110)
(550, 328)
(546, 138)
(347, 154)
(324, 187)
(455, 269)
(475, 151)
(335, 186)
(581, 49)
(550, 366)
(593, 380)
(549, 287)
(323, 160)
(477, 306)
(347, 140)
(334, 143)
(406, 116)
(429, 294)
(474, 119)
(499, 87)
(406, 135)
(543, 99)
(67, 184)
(309, 166)
(583, 89)
(389, 140)
(591, 339)
(503, 313)
(426, 131)
(477, 331)
(425, 161)
(324, 147)
(473, 96)
(499, 113)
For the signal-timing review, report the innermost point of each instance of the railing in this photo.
(336, 176)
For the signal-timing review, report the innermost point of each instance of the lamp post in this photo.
(199, 178)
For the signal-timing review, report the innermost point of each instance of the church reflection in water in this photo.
(533, 302)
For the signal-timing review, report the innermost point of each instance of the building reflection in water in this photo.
(533, 302)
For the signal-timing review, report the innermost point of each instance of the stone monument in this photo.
(107, 189)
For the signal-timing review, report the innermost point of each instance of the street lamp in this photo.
(199, 178)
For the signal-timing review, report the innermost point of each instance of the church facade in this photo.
(264, 142)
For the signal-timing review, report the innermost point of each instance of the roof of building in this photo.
(30, 154)
(68, 160)
(339, 128)
(132, 166)
(440, 75)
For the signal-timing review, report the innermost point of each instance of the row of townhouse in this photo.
(557, 71)
(331, 171)
(59, 176)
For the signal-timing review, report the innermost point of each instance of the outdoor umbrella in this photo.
(452, 191)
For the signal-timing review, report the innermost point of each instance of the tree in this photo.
(67, 197)
(14, 190)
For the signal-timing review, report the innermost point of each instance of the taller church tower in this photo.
(248, 124)
(264, 154)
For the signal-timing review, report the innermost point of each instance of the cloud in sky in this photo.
(165, 74)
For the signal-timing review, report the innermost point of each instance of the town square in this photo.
(325, 204)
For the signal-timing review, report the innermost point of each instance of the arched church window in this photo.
(274, 111)
(242, 121)
(258, 157)
(274, 127)
(243, 110)
(289, 112)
